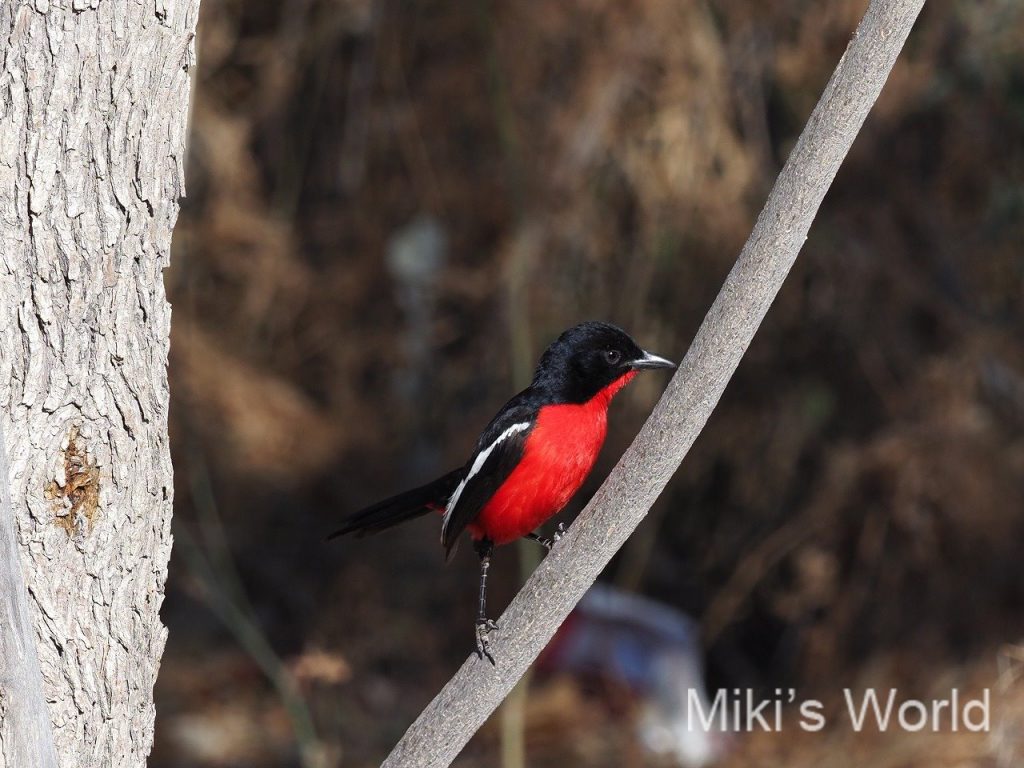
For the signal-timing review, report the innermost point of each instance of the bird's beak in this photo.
(651, 361)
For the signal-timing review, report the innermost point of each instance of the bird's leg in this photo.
(484, 625)
(546, 542)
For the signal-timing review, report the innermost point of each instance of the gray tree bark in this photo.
(93, 119)
(444, 727)
(25, 734)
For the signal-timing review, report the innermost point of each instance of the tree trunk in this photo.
(26, 737)
(93, 119)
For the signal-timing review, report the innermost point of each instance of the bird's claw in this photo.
(549, 543)
(483, 628)
(559, 532)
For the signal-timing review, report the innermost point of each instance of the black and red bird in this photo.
(532, 457)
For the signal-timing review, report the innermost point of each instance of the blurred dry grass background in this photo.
(854, 512)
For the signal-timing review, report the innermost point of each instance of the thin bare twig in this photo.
(444, 727)
(212, 565)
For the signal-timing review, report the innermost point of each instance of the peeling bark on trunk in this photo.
(93, 119)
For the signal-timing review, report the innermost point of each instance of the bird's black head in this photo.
(587, 358)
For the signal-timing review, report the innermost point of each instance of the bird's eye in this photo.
(613, 356)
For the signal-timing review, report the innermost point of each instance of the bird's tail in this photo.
(404, 506)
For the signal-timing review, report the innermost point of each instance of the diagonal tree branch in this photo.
(448, 722)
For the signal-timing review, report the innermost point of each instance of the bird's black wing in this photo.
(497, 453)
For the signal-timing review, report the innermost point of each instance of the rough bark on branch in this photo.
(444, 727)
(93, 119)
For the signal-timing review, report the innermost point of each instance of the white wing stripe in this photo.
(478, 463)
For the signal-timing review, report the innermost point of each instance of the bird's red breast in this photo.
(558, 455)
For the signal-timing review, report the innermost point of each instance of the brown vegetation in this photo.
(855, 509)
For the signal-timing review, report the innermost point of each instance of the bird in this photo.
(530, 460)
